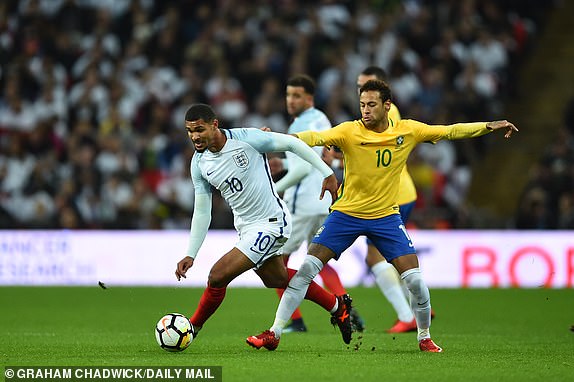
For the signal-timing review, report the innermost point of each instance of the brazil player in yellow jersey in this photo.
(385, 274)
(375, 149)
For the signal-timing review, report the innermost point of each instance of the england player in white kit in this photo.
(302, 185)
(238, 172)
(234, 162)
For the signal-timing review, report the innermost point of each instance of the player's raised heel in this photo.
(266, 339)
(403, 327)
(426, 344)
(342, 317)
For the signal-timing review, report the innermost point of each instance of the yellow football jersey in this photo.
(374, 161)
(407, 191)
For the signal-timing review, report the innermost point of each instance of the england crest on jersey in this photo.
(241, 159)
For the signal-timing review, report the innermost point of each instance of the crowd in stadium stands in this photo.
(547, 201)
(93, 95)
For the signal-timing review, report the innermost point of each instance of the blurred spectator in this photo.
(566, 211)
(176, 190)
(534, 211)
(94, 92)
(16, 166)
(264, 114)
(546, 202)
(488, 53)
(225, 94)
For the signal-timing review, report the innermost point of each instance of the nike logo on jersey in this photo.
(210, 172)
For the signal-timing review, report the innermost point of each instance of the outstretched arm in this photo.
(504, 124)
(298, 147)
(434, 133)
(199, 226)
(297, 170)
(265, 142)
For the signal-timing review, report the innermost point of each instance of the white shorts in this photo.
(304, 228)
(261, 241)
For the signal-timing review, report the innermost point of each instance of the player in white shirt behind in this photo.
(301, 186)
(234, 162)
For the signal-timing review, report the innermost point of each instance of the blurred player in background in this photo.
(375, 150)
(232, 162)
(301, 186)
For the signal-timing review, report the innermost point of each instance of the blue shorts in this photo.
(388, 234)
(405, 211)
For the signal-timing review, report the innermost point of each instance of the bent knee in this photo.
(280, 282)
(321, 252)
(217, 279)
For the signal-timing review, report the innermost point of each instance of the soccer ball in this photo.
(174, 332)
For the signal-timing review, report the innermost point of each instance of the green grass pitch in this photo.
(487, 334)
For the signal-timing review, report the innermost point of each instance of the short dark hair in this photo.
(375, 71)
(377, 86)
(200, 111)
(303, 81)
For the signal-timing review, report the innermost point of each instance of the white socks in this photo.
(387, 279)
(295, 292)
(420, 300)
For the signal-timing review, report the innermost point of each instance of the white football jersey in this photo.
(303, 198)
(241, 173)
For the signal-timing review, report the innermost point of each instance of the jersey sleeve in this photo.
(201, 209)
(199, 224)
(298, 169)
(200, 184)
(434, 133)
(330, 137)
(260, 140)
(265, 142)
